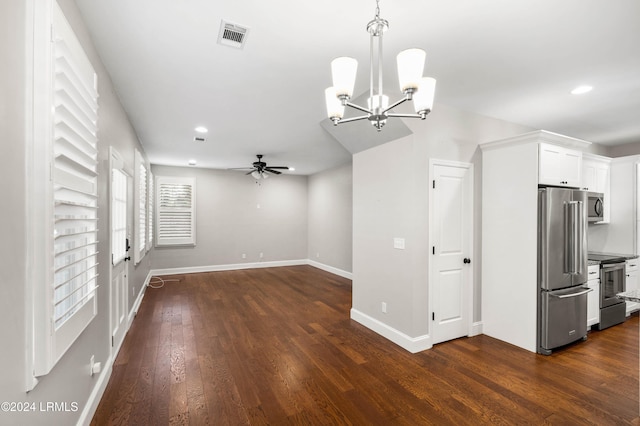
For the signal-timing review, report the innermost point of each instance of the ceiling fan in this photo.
(260, 169)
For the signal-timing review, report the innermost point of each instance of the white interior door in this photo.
(451, 231)
(119, 227)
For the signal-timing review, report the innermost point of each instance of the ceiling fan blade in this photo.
(241, 168)
(278, 167)
(268, 169)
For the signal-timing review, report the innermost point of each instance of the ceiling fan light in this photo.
(264, 175)
(255, 174)
(423, 98)
(343, 71)
(410, 68)
(335, 109)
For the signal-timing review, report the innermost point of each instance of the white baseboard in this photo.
(335, 271)
(476, 329)
(411, 344)
(230, 267)
(136, 304)
(96, 394)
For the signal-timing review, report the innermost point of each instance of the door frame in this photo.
(472, 270)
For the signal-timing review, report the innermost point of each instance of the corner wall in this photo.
(390, 191)
(330, 229)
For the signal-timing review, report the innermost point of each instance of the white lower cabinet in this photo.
(593, 297)
(632, 283)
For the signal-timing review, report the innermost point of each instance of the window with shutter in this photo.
(150, 213)
(175, 211)
(69, 305)
(140, 208)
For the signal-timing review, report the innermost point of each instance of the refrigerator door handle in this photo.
(581, 232)
(573, 237)
(569, 237)
(566, 296)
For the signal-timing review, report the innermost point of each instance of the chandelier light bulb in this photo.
(344, 71)
(255, 174)
(335, 109)
(423, 98)
(410, 68)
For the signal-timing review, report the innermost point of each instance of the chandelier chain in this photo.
(377, 8)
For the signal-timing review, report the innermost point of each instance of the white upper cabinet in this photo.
(559, 166)
(596, 171)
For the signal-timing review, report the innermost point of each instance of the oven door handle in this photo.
(566, 296)
(619, 265)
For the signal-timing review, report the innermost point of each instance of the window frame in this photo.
(179, 238)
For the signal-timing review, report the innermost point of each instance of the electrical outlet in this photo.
(384, 307)
(261, 255)
(318, 255)
(244, 255)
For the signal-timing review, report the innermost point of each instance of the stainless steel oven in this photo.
(612, 282)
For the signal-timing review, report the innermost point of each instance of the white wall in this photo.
(229, 222)
(390, 191)
(331, 218)
(69, 381)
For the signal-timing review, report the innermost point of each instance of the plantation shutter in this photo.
(75, 188)
(150, 214)
(140, 242)
(175, 211)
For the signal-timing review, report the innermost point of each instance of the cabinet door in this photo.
(589, 173)
(559, 166)
(593, 298)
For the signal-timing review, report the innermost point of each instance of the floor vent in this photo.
(232, 35)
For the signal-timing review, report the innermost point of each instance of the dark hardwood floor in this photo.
(276, 346)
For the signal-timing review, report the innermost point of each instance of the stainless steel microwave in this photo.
(595, 207)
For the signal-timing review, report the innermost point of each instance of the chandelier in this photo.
(415, 88)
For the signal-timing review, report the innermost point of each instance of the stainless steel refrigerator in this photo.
(562, 267)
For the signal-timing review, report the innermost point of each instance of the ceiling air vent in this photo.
(232, 35)
(199, 139)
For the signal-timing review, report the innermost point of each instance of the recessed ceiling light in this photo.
(581, 90)
(201, 129)
(192, 162)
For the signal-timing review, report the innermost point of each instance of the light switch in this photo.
(398, 243)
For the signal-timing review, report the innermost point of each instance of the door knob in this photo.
(127, 258)
(467, 260)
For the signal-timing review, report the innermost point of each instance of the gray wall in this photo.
(69, 381)
(229, 222)
(331, 218)
(624, 150)
(390, 198)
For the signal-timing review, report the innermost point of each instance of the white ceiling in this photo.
(513, 60)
